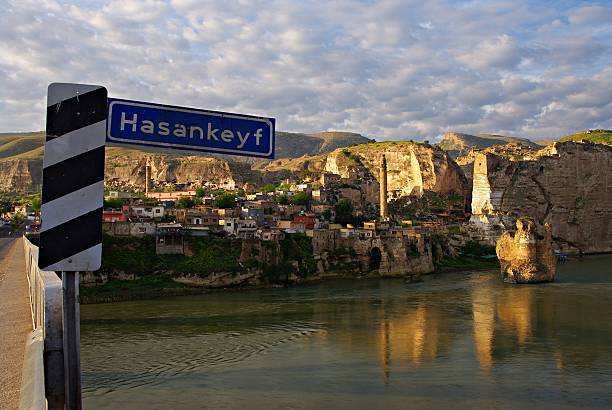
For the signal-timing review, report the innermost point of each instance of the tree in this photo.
(200, 192)
(225, 200)
(282, 199)
(111, 203)
(185, 202)
(17, 220)
(36, 203)
(344, 211)
(326, 214)
(301, 198)
(269, 188)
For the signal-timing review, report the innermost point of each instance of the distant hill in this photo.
(288, 145)
(596, 136)
(21, 144)
(457, 143)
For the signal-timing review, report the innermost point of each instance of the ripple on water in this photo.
(154, 359)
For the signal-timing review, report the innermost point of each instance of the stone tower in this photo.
(148, 177)
(384, 215)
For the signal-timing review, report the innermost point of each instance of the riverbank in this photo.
(157, 285)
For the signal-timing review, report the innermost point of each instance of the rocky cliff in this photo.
(128, 171)
(20, 175)
(411, 168)
(568, 185)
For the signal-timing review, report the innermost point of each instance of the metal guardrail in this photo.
(46, 302)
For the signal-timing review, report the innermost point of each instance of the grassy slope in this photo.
(596, 136)
(16, 145)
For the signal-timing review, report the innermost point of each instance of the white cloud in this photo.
(591, 15)
(387, 68)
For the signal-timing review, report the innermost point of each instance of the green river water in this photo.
(456, 340)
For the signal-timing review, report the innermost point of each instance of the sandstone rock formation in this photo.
(568, 185)
(128, 171)
(411, 168)
(525, 258)
(20, 175)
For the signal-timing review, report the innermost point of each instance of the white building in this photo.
(148, 211)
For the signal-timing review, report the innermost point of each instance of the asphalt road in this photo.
(15, 319)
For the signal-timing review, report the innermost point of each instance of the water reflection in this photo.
(364, 340)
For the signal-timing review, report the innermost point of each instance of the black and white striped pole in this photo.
(72, 201)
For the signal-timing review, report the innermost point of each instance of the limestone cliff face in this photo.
(568, 185)
(411, 168)
(525, 258)
(21, 175)
(129, 171)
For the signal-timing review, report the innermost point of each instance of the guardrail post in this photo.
(54, 345)
(72, 330)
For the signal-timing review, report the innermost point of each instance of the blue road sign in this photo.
(190, 129)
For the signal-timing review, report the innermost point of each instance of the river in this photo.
(455, 340)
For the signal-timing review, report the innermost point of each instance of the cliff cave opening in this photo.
(375, 258)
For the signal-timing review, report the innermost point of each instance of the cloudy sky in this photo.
(391, 69)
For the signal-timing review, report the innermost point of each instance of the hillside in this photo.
(288, 145)
(596, 136)
(457, 143)
(20, 144)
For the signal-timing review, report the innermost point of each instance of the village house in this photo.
(114, 216)
(119, 195)
(225, 213)
(322, 195)
(241, 228)
(320, 208)
(198, 217)
(307, 219)
(291, 226)
(282, 192)
(252, 212)
(270, 234)
(169, 239)
(154, 212)
(328, 178)
(323, 240)
(171, 196)
(301, 188)
(348, 232)
(289, 211)
(256, 197)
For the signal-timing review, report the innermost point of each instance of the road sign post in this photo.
(71, 211)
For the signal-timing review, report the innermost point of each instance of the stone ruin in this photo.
(524, 256)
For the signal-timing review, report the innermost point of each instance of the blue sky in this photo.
(388, 69)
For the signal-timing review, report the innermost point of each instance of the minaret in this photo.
(383, 189)
(148, 177)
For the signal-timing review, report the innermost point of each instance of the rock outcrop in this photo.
(411, 168)
(128, 171)
(20, 175)
(568, 185)
(524, 257)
